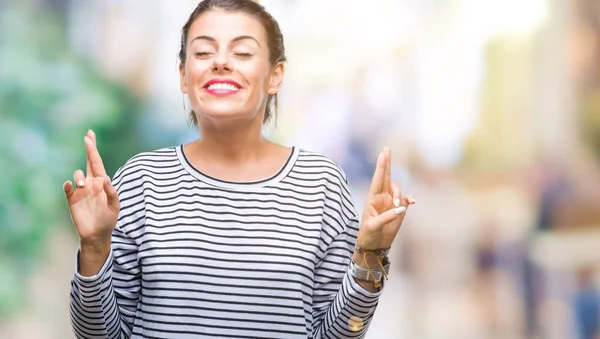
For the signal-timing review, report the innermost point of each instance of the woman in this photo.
(231, 235)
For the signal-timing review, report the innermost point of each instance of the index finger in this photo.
(88, 166)
(95, 160)
(92, 136)
(378, 176)
(387, 184)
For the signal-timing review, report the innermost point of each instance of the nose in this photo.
(221, 62)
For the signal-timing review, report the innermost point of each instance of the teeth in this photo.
(222, 86)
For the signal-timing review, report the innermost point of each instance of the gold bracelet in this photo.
(382, 260)
(378, 252)
(369, 274)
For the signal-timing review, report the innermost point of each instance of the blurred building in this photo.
(491, 108)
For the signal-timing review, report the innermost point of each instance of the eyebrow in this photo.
(236, 39)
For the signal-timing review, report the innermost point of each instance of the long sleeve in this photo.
(341, 307)
(338, 298)
(104, 305)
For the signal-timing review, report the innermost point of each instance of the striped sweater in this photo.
(197, 257)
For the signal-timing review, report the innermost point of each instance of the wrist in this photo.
(367, 285)
(372, 276)
(372, 258)
(92, 256)
(363, 260)
(95, 246)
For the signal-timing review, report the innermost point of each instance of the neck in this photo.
(231, 142)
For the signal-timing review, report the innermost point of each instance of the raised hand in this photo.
(385, 208)
(94, 205)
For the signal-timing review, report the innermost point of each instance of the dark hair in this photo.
(274, 37)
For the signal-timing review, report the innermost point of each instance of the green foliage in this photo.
(49, 98)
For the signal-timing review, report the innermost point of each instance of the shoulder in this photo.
(146, 162)
(320, 164)
(339, 204)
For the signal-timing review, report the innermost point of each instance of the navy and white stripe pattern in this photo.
(196, 257)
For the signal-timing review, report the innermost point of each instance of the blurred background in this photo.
(491, 109)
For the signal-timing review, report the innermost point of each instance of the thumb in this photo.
(68, 189)
(388, 216)
(111, 194)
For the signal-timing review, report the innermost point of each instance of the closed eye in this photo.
(202, 54)
(244, 55)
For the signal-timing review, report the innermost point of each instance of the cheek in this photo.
(194, 71)
(255, 72)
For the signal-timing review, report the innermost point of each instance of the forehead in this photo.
(224, 25)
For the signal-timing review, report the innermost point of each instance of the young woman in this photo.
(230, 236)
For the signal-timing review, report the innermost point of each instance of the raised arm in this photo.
(106, 287)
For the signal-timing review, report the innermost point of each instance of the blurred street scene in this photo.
(491, 109)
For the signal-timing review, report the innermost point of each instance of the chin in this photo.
(225, 112)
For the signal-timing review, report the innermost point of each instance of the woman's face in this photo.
(227, 73)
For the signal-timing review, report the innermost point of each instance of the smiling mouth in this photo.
(222, 87)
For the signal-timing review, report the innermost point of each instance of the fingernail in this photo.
(400, 210)
(81, 183)
(65, 184)
(397, 202)
(411, 200)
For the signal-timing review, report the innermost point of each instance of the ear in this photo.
(182, 83)
(276, 78)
